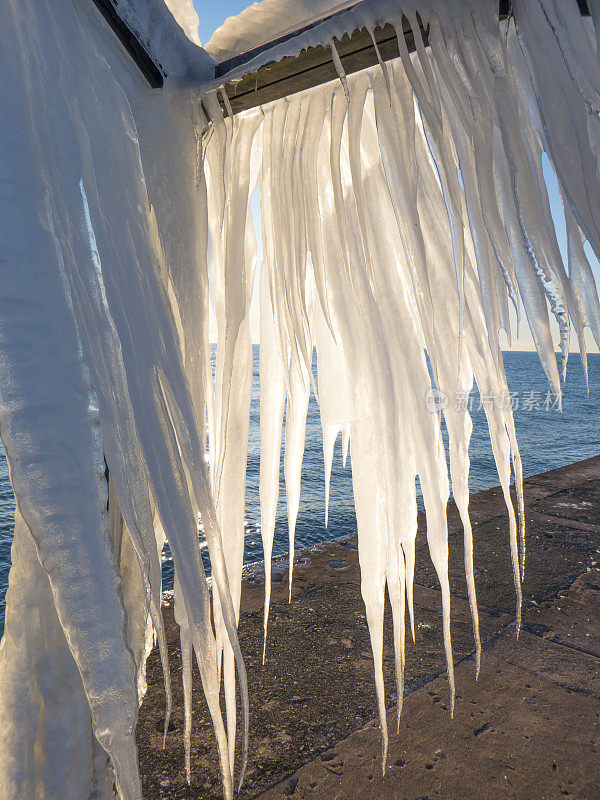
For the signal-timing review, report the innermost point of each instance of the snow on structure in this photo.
(403, 209)
(94, 366)
(186, 16)
(265, 21)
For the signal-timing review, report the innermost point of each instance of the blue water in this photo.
(547, 439)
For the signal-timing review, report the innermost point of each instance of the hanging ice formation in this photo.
(403, 210)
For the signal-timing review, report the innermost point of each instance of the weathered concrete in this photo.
(528, 728)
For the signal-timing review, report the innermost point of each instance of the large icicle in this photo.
(272, 403)
(34, 642)
(91, 279)
(390, 272)
(46, 403)
(232, 273)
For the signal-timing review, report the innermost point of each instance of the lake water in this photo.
(547, 439)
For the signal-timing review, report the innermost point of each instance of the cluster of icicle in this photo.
(403, 209)
(103, 359)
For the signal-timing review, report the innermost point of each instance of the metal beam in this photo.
(131, 43)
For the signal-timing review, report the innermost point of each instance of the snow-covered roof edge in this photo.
(366, 14)
(267, 20)
(165, 41)
(187, 17)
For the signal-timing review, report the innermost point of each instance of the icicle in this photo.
(295, 428)
(402, 209)
(345, 443)
(397, 593)
(329, 436)
(371, 553)
(548, 49)
(382, 65)
(337, 62)
(233, 244)
(33, 639)
(185, 640)
(582, 279)
(315, 123)
(71, 535)
(334, 396)
(272, 403)
(339, 110)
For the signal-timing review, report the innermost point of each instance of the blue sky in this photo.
(212, 14)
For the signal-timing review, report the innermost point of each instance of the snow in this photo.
(186, 16)
(262, 22)
(171, 39)
(403, 209)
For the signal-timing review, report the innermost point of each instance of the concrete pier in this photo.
(528, 729)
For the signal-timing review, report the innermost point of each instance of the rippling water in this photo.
(547, 439)
(7, 512)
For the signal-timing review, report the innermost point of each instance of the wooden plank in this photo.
(314, 66)
(131, 43)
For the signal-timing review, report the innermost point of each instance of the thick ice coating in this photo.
(403, 210)
(404, 214)
(95, 375)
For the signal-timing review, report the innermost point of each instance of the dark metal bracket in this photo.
(131, 43)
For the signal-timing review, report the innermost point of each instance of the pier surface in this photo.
(528, 729)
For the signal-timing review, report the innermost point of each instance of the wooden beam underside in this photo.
(277, 79)
(313, 66)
